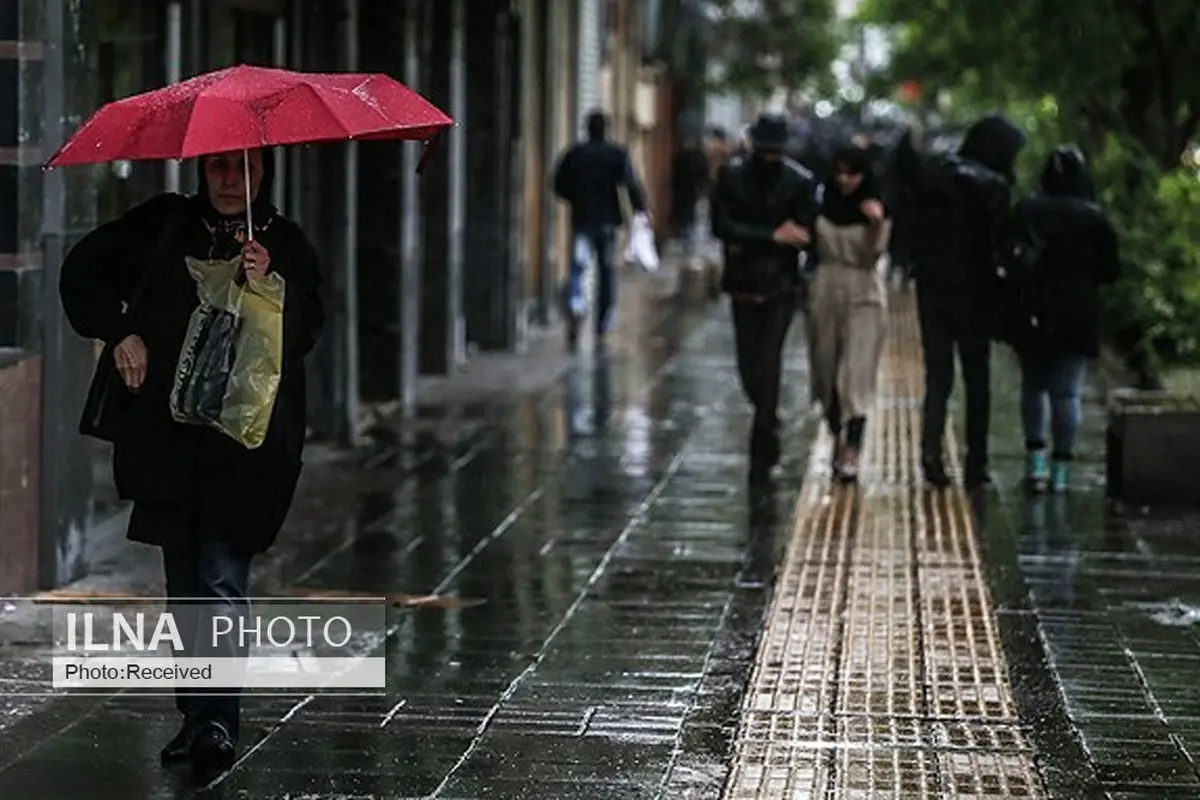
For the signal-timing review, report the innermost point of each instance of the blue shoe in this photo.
(1060, 479)
(1037, 470)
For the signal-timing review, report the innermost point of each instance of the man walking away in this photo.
(959, 204)
(689, 185)
(763, 211)
(588, 177)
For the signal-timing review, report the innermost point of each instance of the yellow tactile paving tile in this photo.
(880, 672)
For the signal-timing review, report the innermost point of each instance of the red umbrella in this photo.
(246, 107)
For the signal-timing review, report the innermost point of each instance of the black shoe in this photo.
(761, 476)
(774, 451)
(935, 474)
(572, 334)
(176, 750)
(977, 479)
(212, 751)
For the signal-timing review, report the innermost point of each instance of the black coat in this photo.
(689, 182)
(589, 177)
(748, 206)
(157, 461)
(1080, 255)
(950, 207)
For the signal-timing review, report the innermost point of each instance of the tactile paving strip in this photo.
(880, 672)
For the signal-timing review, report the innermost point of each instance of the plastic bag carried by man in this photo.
(641, 250)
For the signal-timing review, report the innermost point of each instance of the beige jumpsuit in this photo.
(847, 318)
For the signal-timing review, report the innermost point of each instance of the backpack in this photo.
(1018, 254)
(1019, 247)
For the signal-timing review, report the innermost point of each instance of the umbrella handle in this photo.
(249, 213)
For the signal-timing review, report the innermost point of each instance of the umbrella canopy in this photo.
(246, 107)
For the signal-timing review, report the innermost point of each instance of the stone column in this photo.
(59, 90)
(20, 360)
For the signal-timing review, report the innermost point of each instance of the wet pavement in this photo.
(601, 577)
(881, 671)
(1100, 608)
(607, 621)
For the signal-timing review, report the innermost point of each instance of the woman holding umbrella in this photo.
(210, 503)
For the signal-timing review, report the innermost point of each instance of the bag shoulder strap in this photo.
(161, 246)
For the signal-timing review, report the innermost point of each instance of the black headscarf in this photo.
(846, 209)
(1066, 174)
(229, 230)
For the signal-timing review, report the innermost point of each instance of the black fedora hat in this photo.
(770, 132)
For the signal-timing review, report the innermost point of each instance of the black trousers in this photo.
(205, 577)
(950, 322)
(760, 330)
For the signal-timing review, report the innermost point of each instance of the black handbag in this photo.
(101, 409)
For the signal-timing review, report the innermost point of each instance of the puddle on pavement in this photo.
(1172, 613)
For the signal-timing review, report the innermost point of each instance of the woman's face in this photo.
(227, 181)
(847, 181)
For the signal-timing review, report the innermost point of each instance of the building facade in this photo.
(420, 270)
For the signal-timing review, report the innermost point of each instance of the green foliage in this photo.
(1153, 311)
(766, 45)
(1122, 80)
(1130, 67)
(1155, 307)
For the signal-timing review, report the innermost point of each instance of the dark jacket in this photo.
(1080, 254)
(749, 204)
(951, 206)
(589, 177)
(689, 183)
(157, 461)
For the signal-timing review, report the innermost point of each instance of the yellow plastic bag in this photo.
(231, 363)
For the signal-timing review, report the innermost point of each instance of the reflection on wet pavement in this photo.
(581, 577)
(623, 570)
(1099, 611)
(881, 672)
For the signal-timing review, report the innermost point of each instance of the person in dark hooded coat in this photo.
(208, 502)
(957, 206)
(1079, 253)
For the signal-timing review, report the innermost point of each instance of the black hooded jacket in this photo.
(952, 206)
(156, 460)
(1080, 253)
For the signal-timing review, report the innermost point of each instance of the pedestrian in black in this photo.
(689, 185)
(764, 209)
(209, 503)
(589, 177)
(959, 203)
(1056, 326)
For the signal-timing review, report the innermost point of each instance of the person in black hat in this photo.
(763, 211)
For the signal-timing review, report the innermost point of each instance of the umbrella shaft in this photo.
(249, 213)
